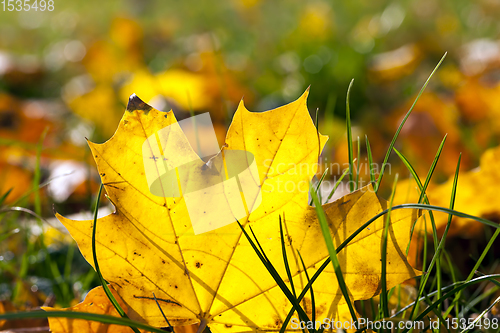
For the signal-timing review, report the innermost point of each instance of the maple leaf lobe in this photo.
(135, 103)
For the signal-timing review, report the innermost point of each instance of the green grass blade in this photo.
(447, 211)
(319, 184)
(110, 296)
(313, 302)
(349, 136)
(391, 146)
(370, 160)
(447, 228)
(163, 314)
(105, 319)
(384, 302)
(444, 289)
(336, 185)
(260, 247)
(452, 292)
(478, 263)
(419, 184)
(422, 189)
(285, 259)
(263, 258)
(436, 259)
(358, 164)
(433, 167)
(5, 235)
(425, 249)
(376, 217)
(480, 317)
(333, 254)
(316, 120)
(5, 195)
(69, 260)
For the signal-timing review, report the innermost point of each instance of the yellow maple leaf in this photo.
(95, 302)
(149, 244)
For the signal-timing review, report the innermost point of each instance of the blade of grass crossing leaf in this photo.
(285, 259)
(313, 303)
(164, 317)
(386, 158)
(383, 249)
(339, 181)
(333, 255)
(422, 189)
(260, 247)
(376, 217)
(110, 296)
(436, 258)
(423, 196)
(263, 258)
(291, 297)
(349, 137)
(447, 228)
(318, 186)
(451, 268)
(370, 160)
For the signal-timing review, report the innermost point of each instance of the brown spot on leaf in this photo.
(198, 264)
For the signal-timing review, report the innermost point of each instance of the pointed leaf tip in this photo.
(135, 103)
